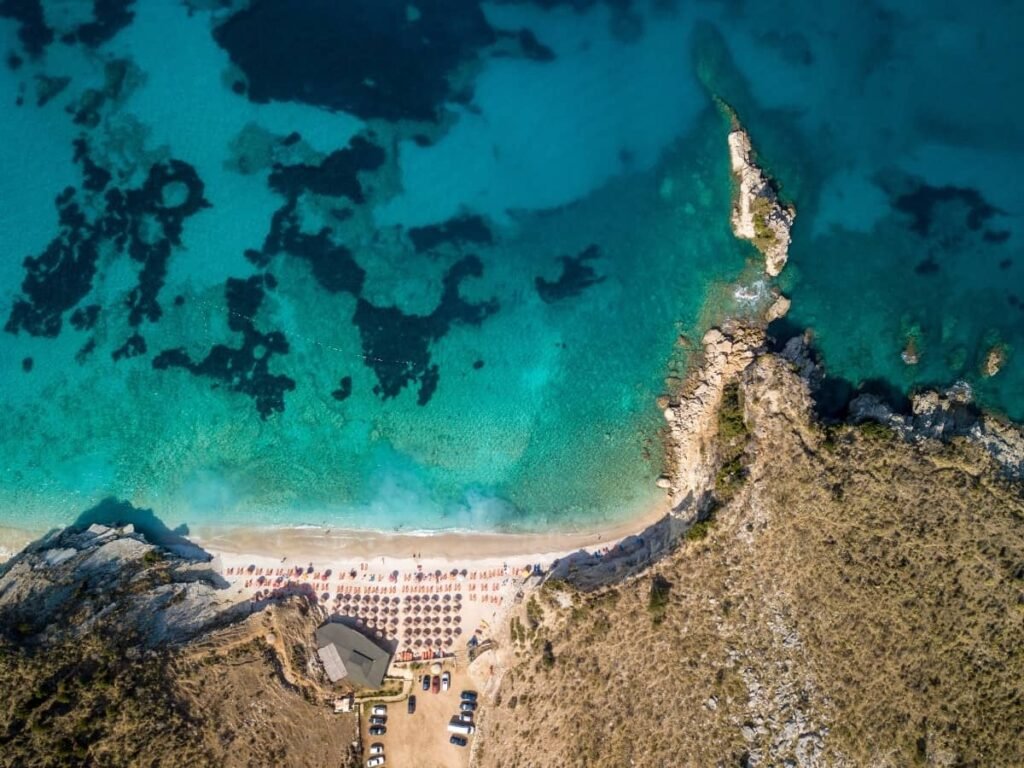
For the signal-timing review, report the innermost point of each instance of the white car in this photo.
(373, 762)
(380, 709)
(446, 681)
(466, 717)
(377, 748)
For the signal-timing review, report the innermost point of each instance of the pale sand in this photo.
(321, 545)
(353, 573)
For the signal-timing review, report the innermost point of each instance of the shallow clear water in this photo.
(318, 351)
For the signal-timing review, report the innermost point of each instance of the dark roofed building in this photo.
(348, 654)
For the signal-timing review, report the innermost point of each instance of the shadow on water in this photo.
(832, 395)
(112, 512)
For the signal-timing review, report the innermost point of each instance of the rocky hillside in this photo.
(855, 597)
(115, 651)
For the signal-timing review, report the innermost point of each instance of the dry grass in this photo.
(230, 700)
(860, 601)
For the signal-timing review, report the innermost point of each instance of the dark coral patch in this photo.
(33, 31)
(928, 266)
(61, 276)
(87, 349)
(84, 318)
(336, 176)
(371, 59)
(478, 364)
(333, 265)
(921, 203)
(461, 229)
(133, 346)
(146, 223)
(533, 48)
(397, 345)
(995, 236)
(26, 364)
(109, 18)
(49, 87)
(1005, 263)
(344, 389)
(244, 369)
(576, 276)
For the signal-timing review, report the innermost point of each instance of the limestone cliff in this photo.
(73, 581)
(757, 213)
(692, 414)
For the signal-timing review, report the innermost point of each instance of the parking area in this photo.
(422, 739)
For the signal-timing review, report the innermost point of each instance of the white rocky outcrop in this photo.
(945, 415)
(70, 582)
(757, 213)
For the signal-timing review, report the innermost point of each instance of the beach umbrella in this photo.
(447, 631)
(417, 643)
(326, 596)
(327, 573)
(375, 598)
(463, 572)
(437, 608)
(447, 609)
(448, 642)
(447, 598)
(447, 619)
(435, 597)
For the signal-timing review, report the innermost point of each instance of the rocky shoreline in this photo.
(757, 213)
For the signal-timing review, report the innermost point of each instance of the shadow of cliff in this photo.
(114, 513)
(588, 571)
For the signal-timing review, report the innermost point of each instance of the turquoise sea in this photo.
(423, 265)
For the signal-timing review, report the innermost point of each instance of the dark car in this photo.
(378, 730)
(378, 720)
(458, 741)
(468, 695)
(435, 684)
(411, 706)
(426, 682)
(468, 706)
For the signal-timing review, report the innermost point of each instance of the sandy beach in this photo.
(426, 594)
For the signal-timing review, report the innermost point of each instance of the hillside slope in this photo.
(856, 600)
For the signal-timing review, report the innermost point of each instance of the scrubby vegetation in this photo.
(863, 594)
(100, 700)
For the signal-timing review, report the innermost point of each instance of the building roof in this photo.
(347, 653)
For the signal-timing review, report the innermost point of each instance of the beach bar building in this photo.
(347, 654)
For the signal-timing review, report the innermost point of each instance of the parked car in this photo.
(378, 730)
(435, 684)
(410, 706)
(458, 741)
(426, 682)
(373, 762)
(446, 681)
(459, 727)
(468, 706)
(466, 717)
(468, 695)
(377, 748)
(378, 720)
(380, 709)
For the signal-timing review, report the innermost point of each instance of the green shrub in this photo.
(658, 600)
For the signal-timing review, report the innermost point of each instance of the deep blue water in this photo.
(425, 265)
